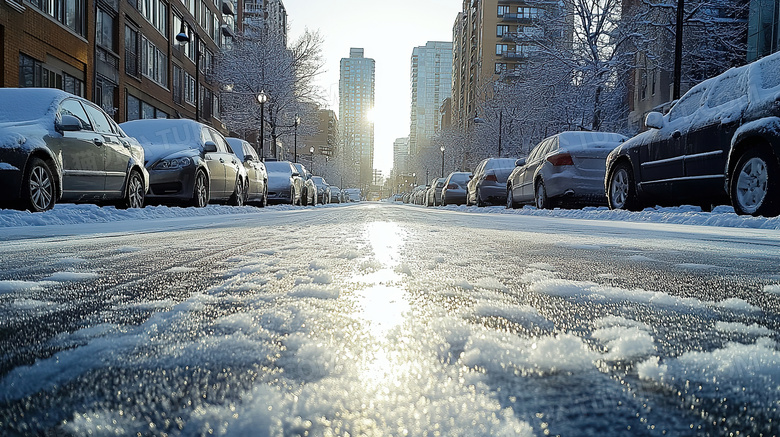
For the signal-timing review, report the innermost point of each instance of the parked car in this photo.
(322, 189)
(488, 184)
(566, 168)
(334, 194)
(58, 147)
(309, 193)
(352, 195)
(418, 194)
(720, 143)
(188, 163)
(433, 195)
(454, 190)
(256, 184)
(284, 182)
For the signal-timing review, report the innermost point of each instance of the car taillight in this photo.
(560, 159)
(491, 177)
(452, 186)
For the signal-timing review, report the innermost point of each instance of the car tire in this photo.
(510, 198)
(480, 202)
(540, 198)
(264, 198)
(292, 196)
(200, 191)
(135, 193)
(754, 188)
(38, 186)
(621, 190)
(238, 196)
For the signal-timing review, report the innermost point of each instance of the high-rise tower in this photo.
(356, 100)
(431, 82)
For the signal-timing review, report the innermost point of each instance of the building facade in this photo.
(325, 140)
(490, 39)
(134, 58)
(262, 17)
(401, 156)
(431, 85)
(763, 28)
(356, 101)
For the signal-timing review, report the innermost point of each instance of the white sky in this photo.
(388, 31)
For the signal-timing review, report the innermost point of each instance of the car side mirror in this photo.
(295, 174)
(210, 147)
(69, 123)
(248, 158)
(520, 162)
(654, 120)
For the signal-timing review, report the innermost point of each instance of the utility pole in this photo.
(678, 46)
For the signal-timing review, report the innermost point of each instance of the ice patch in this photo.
(12, 286)
(736, 304)
(641, 258)
(741, 328)
(351, 254)
(71, 261)
(181, 269)
(490, 284)
(315, 291)
(694, 266)
(318, 265)
(462, 283)
(625, 343)
(542, 266)
(321, 278)
(72, 276)
(652, 370)
(772, 288)
(404, 269)
(524, 315)
(33, 305)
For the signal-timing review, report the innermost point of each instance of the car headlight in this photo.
(172, 164)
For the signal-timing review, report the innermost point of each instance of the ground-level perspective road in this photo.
(385, 319)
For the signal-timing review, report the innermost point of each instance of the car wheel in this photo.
(510, 198)
(264, 199)
(621, 191)
(200, 194)
(136, 192)
(480, 202)
(39, 186)
(754, 185)
(292, 196)
(237, 199)
(542, 201)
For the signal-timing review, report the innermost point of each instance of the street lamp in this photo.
(183, 38)
(311, 151)
(478, 120)
(442, 160)
(297, 122)
(261, 99)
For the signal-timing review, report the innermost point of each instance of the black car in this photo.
(718, 144)
(55, 146)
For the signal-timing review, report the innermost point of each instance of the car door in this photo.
(709, 140)
(116, 152)
(83, 156)
(530, 168)
(214, 161)
(229, 161)
(254, 190)
(662, 158)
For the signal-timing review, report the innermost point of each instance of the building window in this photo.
(501, 49)
(131, 51)
(155, 12)
(35, 74)
(500, 68)
(133, 108)
(503, 10)
(104, 30)
(71, 13)
(502, 30)
(529, 13)
(154, 62)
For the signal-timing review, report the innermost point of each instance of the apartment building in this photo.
(135, 58)
(262, 17)
(431, 85)
(401, 156)
(325, 139)
(356, 101)
(490, 39)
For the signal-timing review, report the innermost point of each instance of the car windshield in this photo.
(278, 167)
(38, 103)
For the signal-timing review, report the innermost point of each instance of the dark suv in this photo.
(718, 144)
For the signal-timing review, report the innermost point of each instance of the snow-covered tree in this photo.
(285, 75)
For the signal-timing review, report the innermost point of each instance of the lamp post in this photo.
(442, 160)
(478, 120)
(183, 38)
(261, 99)
(297, 122)
(311, 151)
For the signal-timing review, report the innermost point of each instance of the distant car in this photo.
(454, 191)
(488, 184)
(284, 182)
(352, 195)
(256, 191)
(58, 147)
(719, 144)
(433, 195)
(566, 168)
(188, 163)
(309, 193)
(334, 194)
(322, 189)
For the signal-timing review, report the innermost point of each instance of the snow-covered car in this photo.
(256, 184)
(188, 163)
(334, 194)
(284, 182)
(352, 195)
(488, 184)
(433, 195)
(58, 147)
(454, 191)
(322, 189)
(566, 168)
(309, 193)
(719, 144)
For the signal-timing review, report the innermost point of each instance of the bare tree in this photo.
(285, 75)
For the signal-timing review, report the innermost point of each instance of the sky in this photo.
(388, 31)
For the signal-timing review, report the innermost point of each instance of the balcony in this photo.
(535, 35)
(518, 18)
(513, 55)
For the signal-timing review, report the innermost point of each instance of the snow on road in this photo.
(374, 328)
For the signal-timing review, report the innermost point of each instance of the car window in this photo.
(216, 137)
(249, 151)
(74, 108)
(99, 119)
(687, 105)
(770, 72)
(727, 89)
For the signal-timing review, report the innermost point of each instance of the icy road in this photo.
(377, 319)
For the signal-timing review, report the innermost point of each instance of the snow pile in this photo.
(741, 328)
(625, 339)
